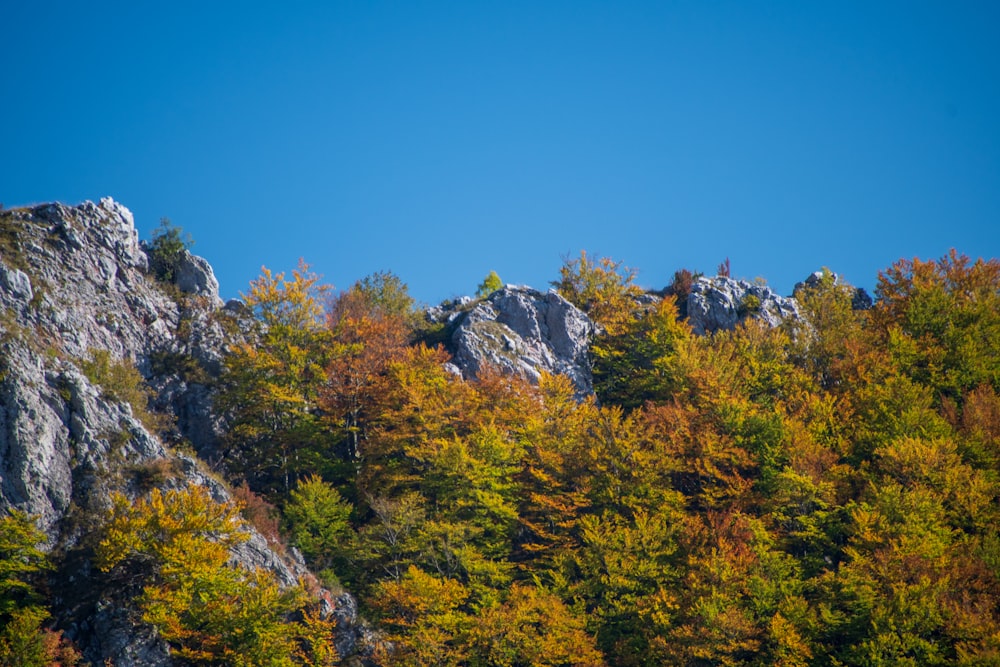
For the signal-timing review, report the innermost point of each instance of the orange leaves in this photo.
(947, 313)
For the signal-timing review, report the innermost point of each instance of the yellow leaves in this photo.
(177, 526)
(532, 627)
(604, 289)
(210, 610)
(294, 303)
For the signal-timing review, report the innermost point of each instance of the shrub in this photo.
(749, 305)
(166, 249)
(260, 514)
(121, 381)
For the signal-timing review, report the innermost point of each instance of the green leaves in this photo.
(23, 640)
(20, 560)
(491, 283)
(317, 519)
(166, 248)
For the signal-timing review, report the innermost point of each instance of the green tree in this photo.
(166, 249)
(385, 292)
(491, 283)
(317, 520)
(24, 642)
(638, 361)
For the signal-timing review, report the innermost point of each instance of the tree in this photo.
(422, 618)
(637, 362)
(491, 283)
(604, 289)
(940, 320)
(209, 610)
(317, 520)
(367, 333)
(531, 627)
(166, 250)
(24, 642)
(271, 384)
(382, 292)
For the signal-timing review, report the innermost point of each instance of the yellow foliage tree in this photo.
(209, 610)
(272, 380)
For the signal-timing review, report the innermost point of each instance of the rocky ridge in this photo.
(522, 331)
(76, 284)
(722, 303)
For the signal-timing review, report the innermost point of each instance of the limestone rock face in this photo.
(75, 281)
(524, 331)
(722, 303)
(195, 276)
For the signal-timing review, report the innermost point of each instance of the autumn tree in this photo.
(24, 641)
(829, 328)
(531, 627)
(210, 610)
(604, 289)
(272, 380)
(940, 320)
(369, 327)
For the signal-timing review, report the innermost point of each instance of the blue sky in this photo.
(442, 140)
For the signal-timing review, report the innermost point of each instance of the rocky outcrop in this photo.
(722, 303)
(75, 282)
(195, 276)
(521, 330)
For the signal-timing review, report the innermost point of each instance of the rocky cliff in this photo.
(520, 330)
(76, 292)
(722, 303)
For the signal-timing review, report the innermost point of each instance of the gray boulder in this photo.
(722, 303)
(16, 283)
(195, 276)
(521, 330)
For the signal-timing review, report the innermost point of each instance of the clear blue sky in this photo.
(441, 140)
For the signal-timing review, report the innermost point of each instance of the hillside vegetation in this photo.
(821, 492)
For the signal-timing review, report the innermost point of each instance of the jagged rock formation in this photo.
(520, 330)
(722, 303)
(75, 280)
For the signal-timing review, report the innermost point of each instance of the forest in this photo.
(824, 492)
